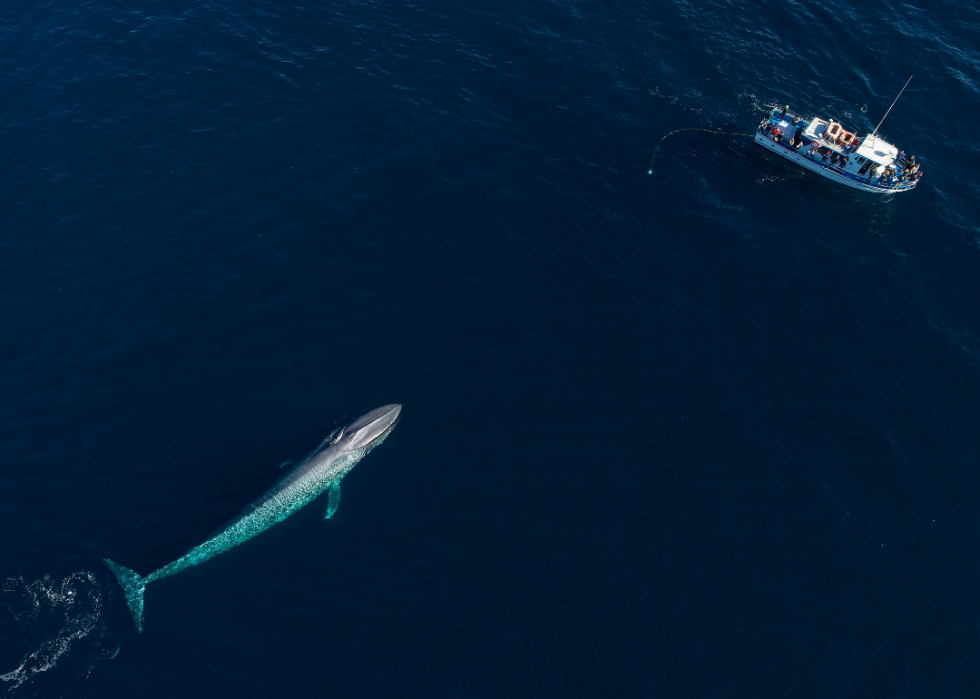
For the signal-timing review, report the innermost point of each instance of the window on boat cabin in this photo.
(864, 168)
(860, 159)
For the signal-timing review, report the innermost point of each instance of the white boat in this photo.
(825, 147)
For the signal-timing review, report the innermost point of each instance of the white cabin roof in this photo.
(877, 150)
(816, 129)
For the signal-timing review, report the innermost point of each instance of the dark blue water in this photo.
(711, 432)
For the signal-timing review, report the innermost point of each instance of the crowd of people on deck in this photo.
(895, 174)
(911, 170)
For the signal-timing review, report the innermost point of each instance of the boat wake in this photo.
(52, 634)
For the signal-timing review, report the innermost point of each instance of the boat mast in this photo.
(890, 108)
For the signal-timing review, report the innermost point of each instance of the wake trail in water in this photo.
(54, 635)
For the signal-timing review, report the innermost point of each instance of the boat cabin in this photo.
(878, 151)
(856, 156)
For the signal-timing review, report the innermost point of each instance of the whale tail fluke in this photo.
(133, 585)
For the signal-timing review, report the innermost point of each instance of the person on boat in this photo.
(778, 135)
(814, 147)
(872, 172)
(783, 113)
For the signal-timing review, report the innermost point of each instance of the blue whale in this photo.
(320, 471)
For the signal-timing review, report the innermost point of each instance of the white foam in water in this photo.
(74, 603)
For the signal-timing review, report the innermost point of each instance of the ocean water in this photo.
(710, 432)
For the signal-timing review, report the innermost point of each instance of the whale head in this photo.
(367, 431)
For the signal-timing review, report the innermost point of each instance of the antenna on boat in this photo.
(873, 133)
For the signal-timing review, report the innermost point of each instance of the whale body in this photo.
(320, 471)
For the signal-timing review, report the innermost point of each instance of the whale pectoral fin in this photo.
(333, 499)
(285, 463)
